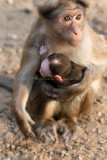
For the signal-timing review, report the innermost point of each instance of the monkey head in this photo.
(66, 20)
(56, 66)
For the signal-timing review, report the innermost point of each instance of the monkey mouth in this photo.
(74, 43)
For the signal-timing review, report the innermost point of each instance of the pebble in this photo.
(102, 121)
(15, 130)
(9, 154)
(90, 129)
(99, 114)
(101, 148)
(80, 158)
(9, 71)
(101, 142)
(9, 137)
(28, 10)
(24, 157)
(7, 145)
(19, 50)
(2, 110)
(51, 153)
(13, 147)
(12, 36)
(10, 2)
(100, 100)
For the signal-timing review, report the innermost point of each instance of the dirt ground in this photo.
(16, 18)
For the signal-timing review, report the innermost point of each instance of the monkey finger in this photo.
(27, 131)
(28, 118)
(45, 47)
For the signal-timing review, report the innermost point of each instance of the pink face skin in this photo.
(45, 71)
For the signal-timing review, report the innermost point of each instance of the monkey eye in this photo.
(67, 18)
(78, 17)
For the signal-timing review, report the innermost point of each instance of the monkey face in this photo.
(69, 24)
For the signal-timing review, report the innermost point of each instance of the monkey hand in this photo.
(50, 91)
(68, 130)
(43, 50)
(24, 120)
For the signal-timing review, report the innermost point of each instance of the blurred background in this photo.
(16, 19)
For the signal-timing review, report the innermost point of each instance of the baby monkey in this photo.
(58, 69)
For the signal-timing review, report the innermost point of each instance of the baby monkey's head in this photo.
(55, 65)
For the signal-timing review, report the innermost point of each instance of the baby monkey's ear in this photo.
(58, 78)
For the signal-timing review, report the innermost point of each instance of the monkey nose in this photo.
(75, 32)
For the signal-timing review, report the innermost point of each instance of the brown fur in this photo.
(75, 100)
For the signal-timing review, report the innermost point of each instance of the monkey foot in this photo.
(68, 132)
(46, 133)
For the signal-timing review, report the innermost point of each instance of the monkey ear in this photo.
(58, 78)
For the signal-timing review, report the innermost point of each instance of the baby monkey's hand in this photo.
(43, 50)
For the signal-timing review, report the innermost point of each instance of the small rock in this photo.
(1, 110)
(9, 71)
(90, 129)
(100, 100)
(99, 131)
(19, 50)
(101, 148)
(15, 130)
(80, 158)
(13, 147)
(25, 157)
(12, 36)
(10, 2)
(91, 118)
(102, 121)
(9, 154)
(7, 145)
(101, 142)
(9, 137)
(51, 153)
(28, 10)
(99, 114)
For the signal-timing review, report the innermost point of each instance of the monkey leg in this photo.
(73, 109)
(45, 127)
(46, 131)
(86, 106)
(68, 130)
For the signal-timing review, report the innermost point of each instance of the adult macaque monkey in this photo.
(63, 27)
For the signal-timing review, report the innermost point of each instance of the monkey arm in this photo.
(30, 64)
(91, 74)
(22, 88)
(96, 67)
